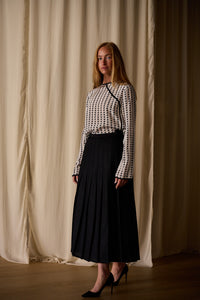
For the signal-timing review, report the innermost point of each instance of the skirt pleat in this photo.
(104, 226)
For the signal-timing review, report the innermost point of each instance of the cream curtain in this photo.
(176, 222)
(47, 50)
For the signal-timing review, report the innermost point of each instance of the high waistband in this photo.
(115, 133)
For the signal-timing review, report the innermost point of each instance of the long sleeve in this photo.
(128, 110)
(84, 137)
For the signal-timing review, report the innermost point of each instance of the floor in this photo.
(173, 277)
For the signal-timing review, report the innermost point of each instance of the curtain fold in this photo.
(52, 46)
(14, 155)
(176, 223)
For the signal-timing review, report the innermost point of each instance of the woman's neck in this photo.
(106, 79)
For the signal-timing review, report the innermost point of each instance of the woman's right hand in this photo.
(75, 178)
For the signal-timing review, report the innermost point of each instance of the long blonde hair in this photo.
(118, 74)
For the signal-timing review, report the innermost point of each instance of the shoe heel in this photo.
(111, 289)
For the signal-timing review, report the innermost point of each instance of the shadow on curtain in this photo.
(176, 222)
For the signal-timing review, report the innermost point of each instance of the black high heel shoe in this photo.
(109, 281)
(124, 271)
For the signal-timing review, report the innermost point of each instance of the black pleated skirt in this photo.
(104, 226)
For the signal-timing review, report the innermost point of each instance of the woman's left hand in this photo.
(120, 182)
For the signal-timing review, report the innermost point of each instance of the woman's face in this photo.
(105, 61)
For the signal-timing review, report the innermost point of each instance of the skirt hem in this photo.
(91, 259)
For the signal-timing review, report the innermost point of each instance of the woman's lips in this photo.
(104, 68)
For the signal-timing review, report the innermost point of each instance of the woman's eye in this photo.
(107, 57)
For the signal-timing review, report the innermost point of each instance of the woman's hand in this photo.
(75, 178)
(120, 182)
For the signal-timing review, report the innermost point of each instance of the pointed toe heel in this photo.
(109, 281)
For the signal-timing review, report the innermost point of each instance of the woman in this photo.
(104, 227)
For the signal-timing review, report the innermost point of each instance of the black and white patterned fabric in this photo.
(109, 108)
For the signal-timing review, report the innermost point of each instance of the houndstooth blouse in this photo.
(109, 108)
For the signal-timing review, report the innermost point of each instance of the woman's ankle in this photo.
(118, 266)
